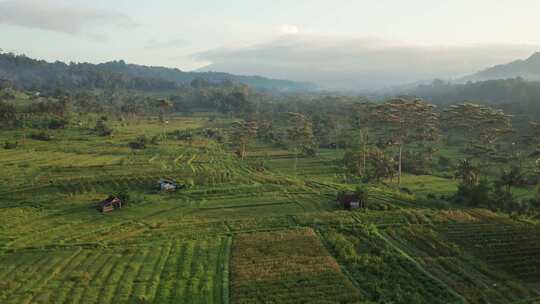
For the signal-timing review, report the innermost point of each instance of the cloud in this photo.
(157, 45)
(58, 16)
(358, 63)
(287, 29)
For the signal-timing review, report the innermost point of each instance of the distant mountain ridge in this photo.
(181, 77)
(31, 73)
(528, 69)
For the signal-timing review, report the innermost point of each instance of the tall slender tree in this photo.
(364, 116)
(406, 121)
(243, 134)
(300, 135)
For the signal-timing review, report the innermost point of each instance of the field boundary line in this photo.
(342, 267)
(419, 267)
(225, 271)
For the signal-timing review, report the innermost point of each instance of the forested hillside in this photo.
(28, 73)
(517, 95)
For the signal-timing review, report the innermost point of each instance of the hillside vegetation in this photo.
(29, 73)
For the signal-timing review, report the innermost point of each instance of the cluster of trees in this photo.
(517, 95)
(476, 190)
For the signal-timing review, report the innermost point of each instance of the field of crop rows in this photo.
(512, 247)
(286, 267)
(383, 273)
(252, 231)
(463, 273)
(170, 272)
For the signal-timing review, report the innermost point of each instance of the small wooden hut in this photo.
(349, 201)
(111, 203)
(167, 185)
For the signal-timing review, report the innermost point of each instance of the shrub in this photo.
(124, 196)
(139, 143)
(513, 177)
(102, 129)
(431, 196)
(309, 151)
(11, 145)
(473, 195)
(406, 190)
(445, 162)
(57, 123)
(157, 138)
(213, 133)
(41, 136)
(186, 135)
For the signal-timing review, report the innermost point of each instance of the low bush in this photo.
(102, 129)
(57, 123)
(139, 143)
(43, 136)
(473, 195)
(11, 145)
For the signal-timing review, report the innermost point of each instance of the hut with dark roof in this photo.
(111, 203)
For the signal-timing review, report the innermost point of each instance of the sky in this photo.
(268, 37)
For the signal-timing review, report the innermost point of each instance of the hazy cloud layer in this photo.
(59, 16)
(358, 63)
(167, 44)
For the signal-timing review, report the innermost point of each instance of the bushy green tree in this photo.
(481, 125)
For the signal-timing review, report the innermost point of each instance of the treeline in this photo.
(30, 74)
(516, 96)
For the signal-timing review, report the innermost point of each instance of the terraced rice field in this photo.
(509, 246)
(287, 267)
(170, 272)
(239, 234)
(475, 280)
(383, 273)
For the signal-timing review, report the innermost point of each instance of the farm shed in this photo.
(349, 201)
(167, 185)
(111, 203)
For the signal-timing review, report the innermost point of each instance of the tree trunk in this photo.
(365, 138)
(399, 163)
(295, 160)
(364, 159)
